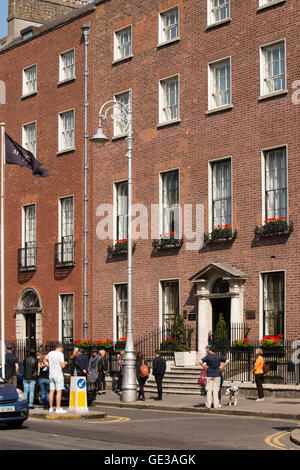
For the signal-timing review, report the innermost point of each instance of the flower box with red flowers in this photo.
(120, 247)
(272, 345)
(120, 344)
(274, 226)
(168, 344)
(89, 344)
(168, 240)
(221, 233)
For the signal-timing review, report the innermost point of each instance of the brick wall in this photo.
(66, 173)
(41, 11)
(241, 133)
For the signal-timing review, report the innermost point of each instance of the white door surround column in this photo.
(205, 294)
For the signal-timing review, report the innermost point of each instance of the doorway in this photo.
(30, 327)
(219, 306)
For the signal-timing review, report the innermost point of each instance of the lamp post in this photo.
(117, 112)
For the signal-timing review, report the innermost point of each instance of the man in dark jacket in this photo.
(82, 363)
(30, 374)
(159, 369)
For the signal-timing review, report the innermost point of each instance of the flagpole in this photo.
(2, 248)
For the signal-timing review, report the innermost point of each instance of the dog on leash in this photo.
(233, 395)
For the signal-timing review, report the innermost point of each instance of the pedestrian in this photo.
(211, 362)
(11, 365)
(73, 361)
(93, 367)
(159, 369)
(102, 368)
(43, 380)
(258, 371)
(82, 363)
(30, 365)
(120, 363)
(56, 365)
(142, 374)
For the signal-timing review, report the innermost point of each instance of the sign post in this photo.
(78, 395)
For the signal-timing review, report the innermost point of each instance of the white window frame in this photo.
(161, 208)
(262, 52)
(261, 299)
(117, 55)
(24, 208)
(61, 148)
(211, 84)
(60, 199)
(210, 190)
(62, 77)
(162, 100)
(115, 197)
(25, 142)
(115, 299)
(161, 25)
(25, 88)
(118, 131)
(60, 314)
(161, 298)
(210, 16)
(263, 172)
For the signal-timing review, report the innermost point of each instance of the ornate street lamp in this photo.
(119, 113)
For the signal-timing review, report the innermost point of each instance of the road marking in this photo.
(273, 440)
(113, 419)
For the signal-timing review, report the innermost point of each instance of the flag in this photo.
(17, 155)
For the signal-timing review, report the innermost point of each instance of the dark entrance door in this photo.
(30, 327)
(220, 306)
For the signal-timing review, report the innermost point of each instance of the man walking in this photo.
(11, 366)
(56, 364)
(159, 369)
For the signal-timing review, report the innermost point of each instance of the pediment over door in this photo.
(218, 269)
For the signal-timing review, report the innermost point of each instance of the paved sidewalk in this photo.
(285, 408)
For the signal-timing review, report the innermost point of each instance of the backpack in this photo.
(144, 370)
(266, 369)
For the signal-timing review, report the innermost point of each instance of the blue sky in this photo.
(3, 17)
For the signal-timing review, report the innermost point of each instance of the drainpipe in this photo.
(86, 32)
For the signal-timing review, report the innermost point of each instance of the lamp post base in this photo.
(129, 385)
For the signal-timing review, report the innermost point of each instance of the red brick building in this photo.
(215, 106)
(43, 70)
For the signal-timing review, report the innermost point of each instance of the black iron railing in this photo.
(64, 253)
(27, 257)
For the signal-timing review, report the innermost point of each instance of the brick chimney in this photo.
(24, 13)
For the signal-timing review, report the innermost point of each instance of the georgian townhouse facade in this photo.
(213, 90)
(43, 71)
(212, 87)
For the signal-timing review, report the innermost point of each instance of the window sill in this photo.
(168, 123)
(219, 23)
(117, 61)
(32, 93)
(120, 136)
(69, 150)
(166, 43)
(269, 5)
(273, 95)
(219, 109)
(68, 80)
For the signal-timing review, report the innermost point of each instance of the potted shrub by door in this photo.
(183, 355)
